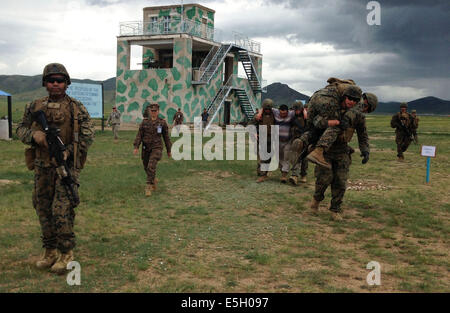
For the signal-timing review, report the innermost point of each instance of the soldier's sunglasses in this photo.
(353, 99)
(52, 80)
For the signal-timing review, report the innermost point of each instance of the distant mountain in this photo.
(26, 88)
(283, 94)
(427, 105)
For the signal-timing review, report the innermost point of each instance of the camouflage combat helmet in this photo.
(298, 105)
(55, 68)
(267, 104)
(352, 91)
(403, 105)
(372, 101)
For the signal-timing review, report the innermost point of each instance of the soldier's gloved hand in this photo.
(39, 138)
(365, 156)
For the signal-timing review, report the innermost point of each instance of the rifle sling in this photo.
(75, 133)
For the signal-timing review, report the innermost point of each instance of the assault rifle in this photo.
(406, 130)
(56, 150)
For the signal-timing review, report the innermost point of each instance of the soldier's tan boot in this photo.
(314, 206)
(148, 190)
(60, 267)
(284, 178)
(48, 258)
(153, 186)
(336, 216)
(401, 158)
(316, 156)
(303, 179)
(293, 180)
(261, 179)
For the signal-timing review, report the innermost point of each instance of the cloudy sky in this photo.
(303, 41)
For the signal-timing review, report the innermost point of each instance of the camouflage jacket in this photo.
(298, 126)
(415, 122)
(178, 118)
(266, 119)
(325, 103)
(403, 121)
(114, 118)
(357, 121)
(150, 133)
(60, 115)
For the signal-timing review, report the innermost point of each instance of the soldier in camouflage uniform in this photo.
(403, 122)
(114, 121)
(267, 118)
(325, 120)
(178, 119)
(150, 132)
(298, 127)
(50, 199)
(415, 125)
(339, 156)
(369, 103)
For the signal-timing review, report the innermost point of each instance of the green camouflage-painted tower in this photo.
(184, 65)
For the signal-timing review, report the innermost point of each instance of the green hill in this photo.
(25, 88)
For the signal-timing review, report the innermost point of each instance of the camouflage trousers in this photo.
(56, 214)
(298, 167)
(259, 171)
(328, 137)
(336, 177)
(150, 158)
(115, 129)
(403, 142)
(283, 156)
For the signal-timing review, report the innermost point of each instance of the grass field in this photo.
(211, 228)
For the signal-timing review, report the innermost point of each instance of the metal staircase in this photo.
(250, 70)
(244, 100)
(211, 63)
(216, 104)
(215, 58)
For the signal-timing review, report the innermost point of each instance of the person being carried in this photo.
(326, 117)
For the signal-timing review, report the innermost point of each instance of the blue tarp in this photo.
(2, 93)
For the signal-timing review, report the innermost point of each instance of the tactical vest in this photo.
(268, 120)
(58, 115)
(404, 117)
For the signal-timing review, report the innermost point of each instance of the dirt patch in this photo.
(365, 185)
(8, 182)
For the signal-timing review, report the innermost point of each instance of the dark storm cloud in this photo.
(416, 30)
